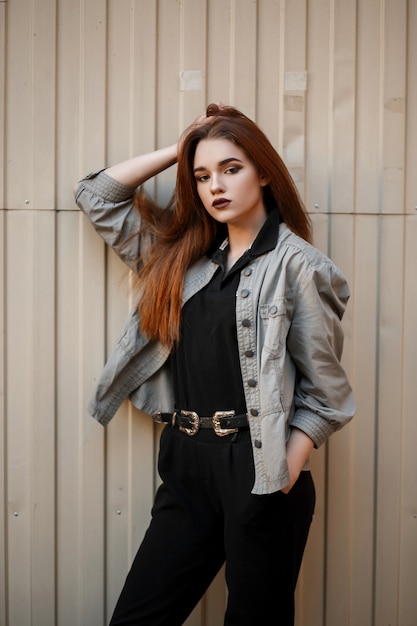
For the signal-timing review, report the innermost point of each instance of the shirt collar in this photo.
(265, 241)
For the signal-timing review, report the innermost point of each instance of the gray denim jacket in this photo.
(289, 305)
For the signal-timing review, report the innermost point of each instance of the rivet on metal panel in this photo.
(27, 201)
(118, 512)
(16, 514)
(316, 206)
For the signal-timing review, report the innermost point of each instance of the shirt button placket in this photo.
(251, 382)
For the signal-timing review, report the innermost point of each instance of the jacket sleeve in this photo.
(109, 206)
(323, 396)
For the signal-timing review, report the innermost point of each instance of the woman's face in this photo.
(228, 183)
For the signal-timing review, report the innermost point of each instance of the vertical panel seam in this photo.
(281, 76)
(378, 301)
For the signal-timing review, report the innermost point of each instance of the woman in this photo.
(235, 344)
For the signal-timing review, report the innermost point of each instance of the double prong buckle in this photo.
(221, 432)
(194, 419)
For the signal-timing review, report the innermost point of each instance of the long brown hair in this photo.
(184, 231)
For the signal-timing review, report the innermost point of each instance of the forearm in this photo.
(136, 171)
(299, 447)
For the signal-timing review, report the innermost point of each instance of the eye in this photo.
(202, 178)
(233, 169)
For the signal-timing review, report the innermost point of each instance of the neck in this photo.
(243, 235)
(240, 239)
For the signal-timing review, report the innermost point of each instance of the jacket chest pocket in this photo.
(274, 325)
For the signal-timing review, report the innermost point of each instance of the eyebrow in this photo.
(220, 163)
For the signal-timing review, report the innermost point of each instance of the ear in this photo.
(263, 180)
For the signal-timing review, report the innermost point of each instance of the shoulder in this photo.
(306, 267)
(295, 251)
(294, 246)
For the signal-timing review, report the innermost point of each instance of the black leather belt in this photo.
(223, 422)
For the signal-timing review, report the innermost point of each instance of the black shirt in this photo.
(206, 368)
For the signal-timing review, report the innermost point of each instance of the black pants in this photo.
(204, 515)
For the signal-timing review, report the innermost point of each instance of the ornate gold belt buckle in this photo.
(221, 432)
(195, 423)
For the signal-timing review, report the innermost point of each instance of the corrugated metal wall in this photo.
(87, 83)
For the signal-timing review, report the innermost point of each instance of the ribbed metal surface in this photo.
(86, 84)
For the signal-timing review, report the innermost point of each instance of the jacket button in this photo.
(258, 444)
(252, 383)
(249, 353)
(247, 271)
(244, 293)
(246, 323)
(254, 412)
(273, 310)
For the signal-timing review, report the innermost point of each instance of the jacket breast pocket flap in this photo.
(275, 324)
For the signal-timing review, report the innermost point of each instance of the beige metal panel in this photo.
(342, 123)
(331, 465)
(388, 433)
(31, 104)
(270, 70)
(81, 94)
(121, 77)
(132, 77)
(70, 147)
(2, 99)
(3, 468)
(30, 403)
(218, 73)
(80, 440)
(411, 113)
(295, 79)
(193, 62)
(132, 72)
(341, 505)
(119, 93)
(232, 53)
(407, 606)
(19, 85)
(167, 101)
(3, 546)
(168, 67)
(92, 88)
(393, 96)
(349, 578)
(320, 28)
(144, 92)
(243, 54)
(369, 108)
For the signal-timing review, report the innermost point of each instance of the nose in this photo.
(216, 184)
